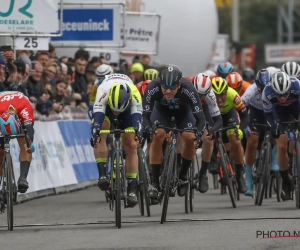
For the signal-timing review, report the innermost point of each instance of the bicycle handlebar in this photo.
(21, 135)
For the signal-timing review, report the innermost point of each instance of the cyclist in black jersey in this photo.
(168, 96)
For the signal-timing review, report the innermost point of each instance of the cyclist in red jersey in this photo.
(142, 86)
(15, 111)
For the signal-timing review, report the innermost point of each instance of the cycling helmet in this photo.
(291, 68)
(202, 84)
(224, 69)
(210, 73)
(170, 75)
(248, 74)
(219, 85)
(263, 77)
(272, 70)
(144, 86)
(150, 74)
(234, 80)
(9, 124)
(191, 79)
(281, 83)
(119, 97)
(104, 70)
(137, 67)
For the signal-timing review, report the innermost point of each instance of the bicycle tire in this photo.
(118, 196)
(145, 182)
(216, 181)
(9, 192)
(228, 179)
(171, 164)
(297, 145)
(271, 185)
(265, 170)
(187, 196)
(278, 184)
(192, 188)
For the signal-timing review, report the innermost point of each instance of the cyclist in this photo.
(291, 68)
(16, 111)
(173, 96)
(252, 99)
(233, 112)
(117, 96)
(202, 84)
(210, 73)
(100, 153)
(280, 103)
(224, 69)
(149, 75)
(248, 75)
(236, 82)
(272, 70)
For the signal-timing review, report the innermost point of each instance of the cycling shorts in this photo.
(229, 119)
(259, 117)
(183, 120)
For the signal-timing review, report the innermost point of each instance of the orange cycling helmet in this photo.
(234, 80)
(189, 78)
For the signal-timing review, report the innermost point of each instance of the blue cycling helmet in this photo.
(263, 77)
(224, 69)
(9, 125)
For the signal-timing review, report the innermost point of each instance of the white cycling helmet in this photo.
(272, 70)
(104, 70)
(281, 83)
(202, 83)
(291, 68)
(210, 73)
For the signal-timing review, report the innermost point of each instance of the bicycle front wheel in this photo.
(168, 174)
(228, 177)
(9, 192)
(297, 169)
(118, 192)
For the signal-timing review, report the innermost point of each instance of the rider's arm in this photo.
(248, 95)
(214, 111)
(100, 106)
(242, 111)
(27, 118)
(152, 91)
(218, 123)
(268, 109)
(136, 106)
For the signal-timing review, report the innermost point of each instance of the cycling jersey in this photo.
(245, 85)
(93, 95)
(233, 100)
(142, 86)
(253, 97)
(270, 101)
(18, 102)
(101, 102)
(210, 100)
(186, 100)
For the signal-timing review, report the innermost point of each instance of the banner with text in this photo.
(141, 33)
(281, 53)
(29, 16)
(88, 25)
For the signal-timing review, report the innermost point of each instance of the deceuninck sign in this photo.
(32, 16)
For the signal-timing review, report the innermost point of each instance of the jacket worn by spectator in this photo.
(80, 87)
(34, 88)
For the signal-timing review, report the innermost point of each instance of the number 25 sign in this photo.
(32, 43)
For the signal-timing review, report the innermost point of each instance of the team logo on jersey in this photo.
(170, 69)
(103, 95)
(237, 100)
(25, 114)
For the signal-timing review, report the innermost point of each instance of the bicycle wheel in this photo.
(278, 185)
(9, 192)
(263, 172)
(118, 191)
(192, 188)
(187, 195)
(144, 183)
(226, 174)
(168, 175)
(215, 180)
(297, 169)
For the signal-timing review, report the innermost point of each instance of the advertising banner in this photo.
(282, 53)
(32, 16)
(141, 33)
(88, 24)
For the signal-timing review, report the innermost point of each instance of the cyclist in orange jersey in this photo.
(236, 82)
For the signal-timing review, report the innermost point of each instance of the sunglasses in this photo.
(282, 95)
(169, 87)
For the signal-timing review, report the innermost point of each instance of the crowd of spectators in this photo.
(51, 83)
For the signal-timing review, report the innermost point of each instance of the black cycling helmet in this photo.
(248, 74)
(170, 75)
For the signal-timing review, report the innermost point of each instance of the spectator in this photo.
(90, 73)
(13, 75)
(136, 73)
(80, 80)
(52, 53)
(63, 59)
(59, 95)
(95, 62)
(21, 70)
(3, 69)
(42, 57)
(64, 71)
(51, 71)
(146, 61)
(21, 53)
(26, 60)
(34, 86)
